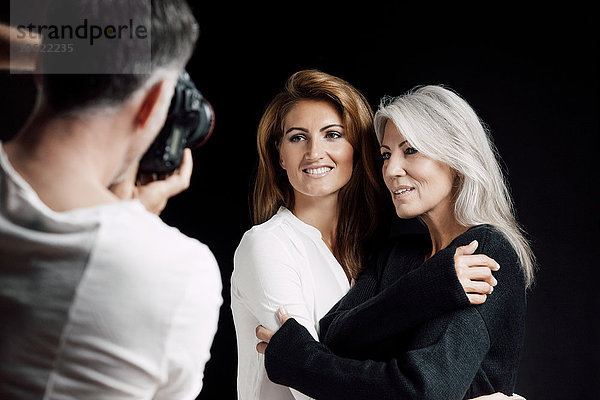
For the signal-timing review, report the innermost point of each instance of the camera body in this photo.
(190, 122)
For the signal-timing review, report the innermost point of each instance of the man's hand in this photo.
(18, 59)
(264, 335)
(474, 272)
(155, 193)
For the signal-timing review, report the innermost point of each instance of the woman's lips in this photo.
(402, 191)
(317, 172)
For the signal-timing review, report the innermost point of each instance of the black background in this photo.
(531, 76)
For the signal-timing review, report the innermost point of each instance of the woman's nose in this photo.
(394, 167)
(315, 150)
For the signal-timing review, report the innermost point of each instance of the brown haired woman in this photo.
(316, 199)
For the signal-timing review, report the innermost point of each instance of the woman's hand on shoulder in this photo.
(474, 272)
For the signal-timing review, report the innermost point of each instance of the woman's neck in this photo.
(442, 230)
(320, 212)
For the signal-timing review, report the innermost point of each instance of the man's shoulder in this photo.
(134, 220)
(131, 236)
(149, 265)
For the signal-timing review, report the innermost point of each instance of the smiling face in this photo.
(420, 186)
(314, 151)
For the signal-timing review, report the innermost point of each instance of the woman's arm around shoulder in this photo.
(294, 359)
(415, 297)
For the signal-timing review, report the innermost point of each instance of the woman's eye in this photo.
(333, 135)
(386, 155)
(410, 150)
(296, 138)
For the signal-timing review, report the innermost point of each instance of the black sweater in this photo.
(406, 330)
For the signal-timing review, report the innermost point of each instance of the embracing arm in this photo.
(442, 370)
(445, 354)
(438, 286)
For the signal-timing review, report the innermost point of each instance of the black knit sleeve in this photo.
(365, 287)
(443, 370)
(417, 296)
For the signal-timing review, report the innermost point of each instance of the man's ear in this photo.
(149, 105)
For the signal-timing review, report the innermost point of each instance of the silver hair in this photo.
(443, 126)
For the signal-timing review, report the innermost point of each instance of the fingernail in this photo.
(497, 265)
(282, 311)
(495, 281)
(474, 242)
(491, 289)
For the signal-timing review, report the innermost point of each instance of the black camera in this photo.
(190, 122)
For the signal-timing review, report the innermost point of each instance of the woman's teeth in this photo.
(315, 171)
(400, 191)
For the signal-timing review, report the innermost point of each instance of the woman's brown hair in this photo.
(359, 201)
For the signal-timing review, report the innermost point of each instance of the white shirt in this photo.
(282, 262)
(104, 302)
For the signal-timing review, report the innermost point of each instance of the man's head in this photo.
(129, 71)
(140, 40)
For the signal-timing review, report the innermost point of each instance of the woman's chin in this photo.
(405, 214)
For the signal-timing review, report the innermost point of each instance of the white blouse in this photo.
(283, 261)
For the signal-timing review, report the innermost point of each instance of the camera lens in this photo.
(190, 123)
(205, 125)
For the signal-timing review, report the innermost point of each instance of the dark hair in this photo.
(109, 71)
